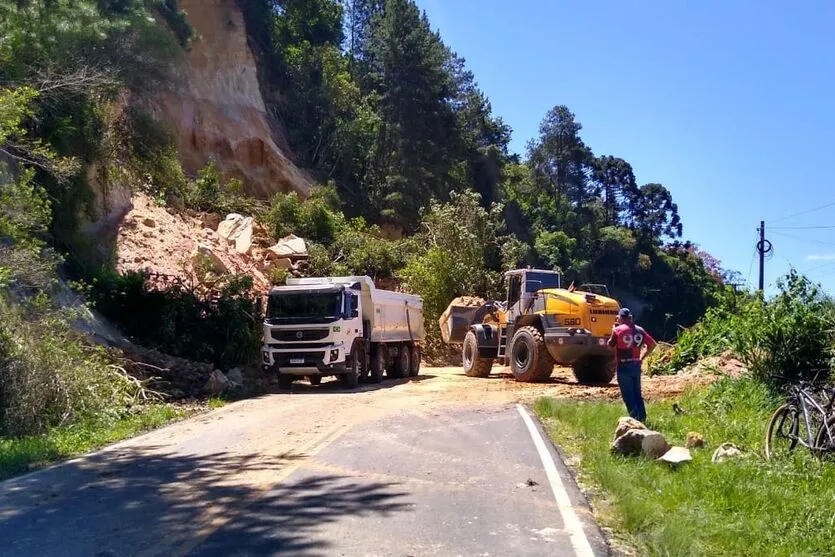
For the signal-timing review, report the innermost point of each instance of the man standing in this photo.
(628, 339)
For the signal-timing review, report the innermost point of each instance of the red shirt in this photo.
(629, 341)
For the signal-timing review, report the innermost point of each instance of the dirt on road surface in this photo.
(166, 492)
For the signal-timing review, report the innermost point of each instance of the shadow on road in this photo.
(135, 502)
(331, 385)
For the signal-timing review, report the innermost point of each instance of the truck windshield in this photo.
(304, 306)
(541, 281)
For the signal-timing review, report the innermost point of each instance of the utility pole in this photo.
(763, 247)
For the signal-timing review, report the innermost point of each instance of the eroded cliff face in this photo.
(216, 110)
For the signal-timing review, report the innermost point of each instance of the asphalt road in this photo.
(360, 478)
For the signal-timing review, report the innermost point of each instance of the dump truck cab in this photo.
(540, 324)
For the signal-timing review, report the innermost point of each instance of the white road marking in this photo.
(578, 538)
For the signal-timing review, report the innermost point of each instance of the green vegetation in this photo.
(376, 104)
(787, 338)
(740, 507)
(23, 454)
(62, 63)
(418, 187)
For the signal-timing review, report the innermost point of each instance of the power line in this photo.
(801, 227)
(811, 241)
(805, 212)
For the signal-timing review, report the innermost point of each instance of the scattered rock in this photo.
(676, 455)
(204, 254)
(625, 424)
(149, 222)
(726, 451)
(290, 247)
(641, 441)
(236, 376)
(694, 441)
(217, 383)
(283, 263)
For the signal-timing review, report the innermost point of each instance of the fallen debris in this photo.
(727, 451)
(217, 383)
(695, 441)
(646, 442)
(625, 424)
(676, 455)
(290, 247)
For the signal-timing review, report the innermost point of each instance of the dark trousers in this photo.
(629, 381)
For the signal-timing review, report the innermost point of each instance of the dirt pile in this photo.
(188, 246)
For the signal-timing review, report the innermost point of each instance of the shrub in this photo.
(787, 338)
(49, 376)
(317, 219)
(221, 326)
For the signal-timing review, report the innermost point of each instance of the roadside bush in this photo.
(221, 326)
(49, 376)
(787, 338)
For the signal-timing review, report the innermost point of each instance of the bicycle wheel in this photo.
(781, 434)
(824, 445)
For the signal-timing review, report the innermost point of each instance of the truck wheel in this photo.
(595, 370)
(415, 367)
(530, 361)
(315, 380)
(351, 378)
(378, 365)
(474, 365)
(403, 362)
(285, 382)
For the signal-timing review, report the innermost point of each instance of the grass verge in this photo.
(742, 507)
(21, 455)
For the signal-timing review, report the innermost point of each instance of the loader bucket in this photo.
(455, 321)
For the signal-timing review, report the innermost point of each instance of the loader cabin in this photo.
(524, 283)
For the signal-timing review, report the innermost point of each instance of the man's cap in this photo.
(625, 312)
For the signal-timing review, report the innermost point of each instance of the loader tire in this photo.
(474, 365)
(530, 360)
(595, 370)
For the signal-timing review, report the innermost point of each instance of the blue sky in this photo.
(731, 105)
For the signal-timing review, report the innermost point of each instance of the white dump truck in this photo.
(343, 326)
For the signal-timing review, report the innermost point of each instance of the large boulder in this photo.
(237, 229)
(634, 442)
(625, 424)
(290, 247)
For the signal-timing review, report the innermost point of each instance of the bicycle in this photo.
(802, 407)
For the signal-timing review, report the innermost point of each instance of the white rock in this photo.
(726, 451)
(291, 247)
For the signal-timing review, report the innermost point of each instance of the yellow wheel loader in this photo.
(539, 325)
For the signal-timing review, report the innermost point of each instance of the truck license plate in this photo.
(296, 360)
